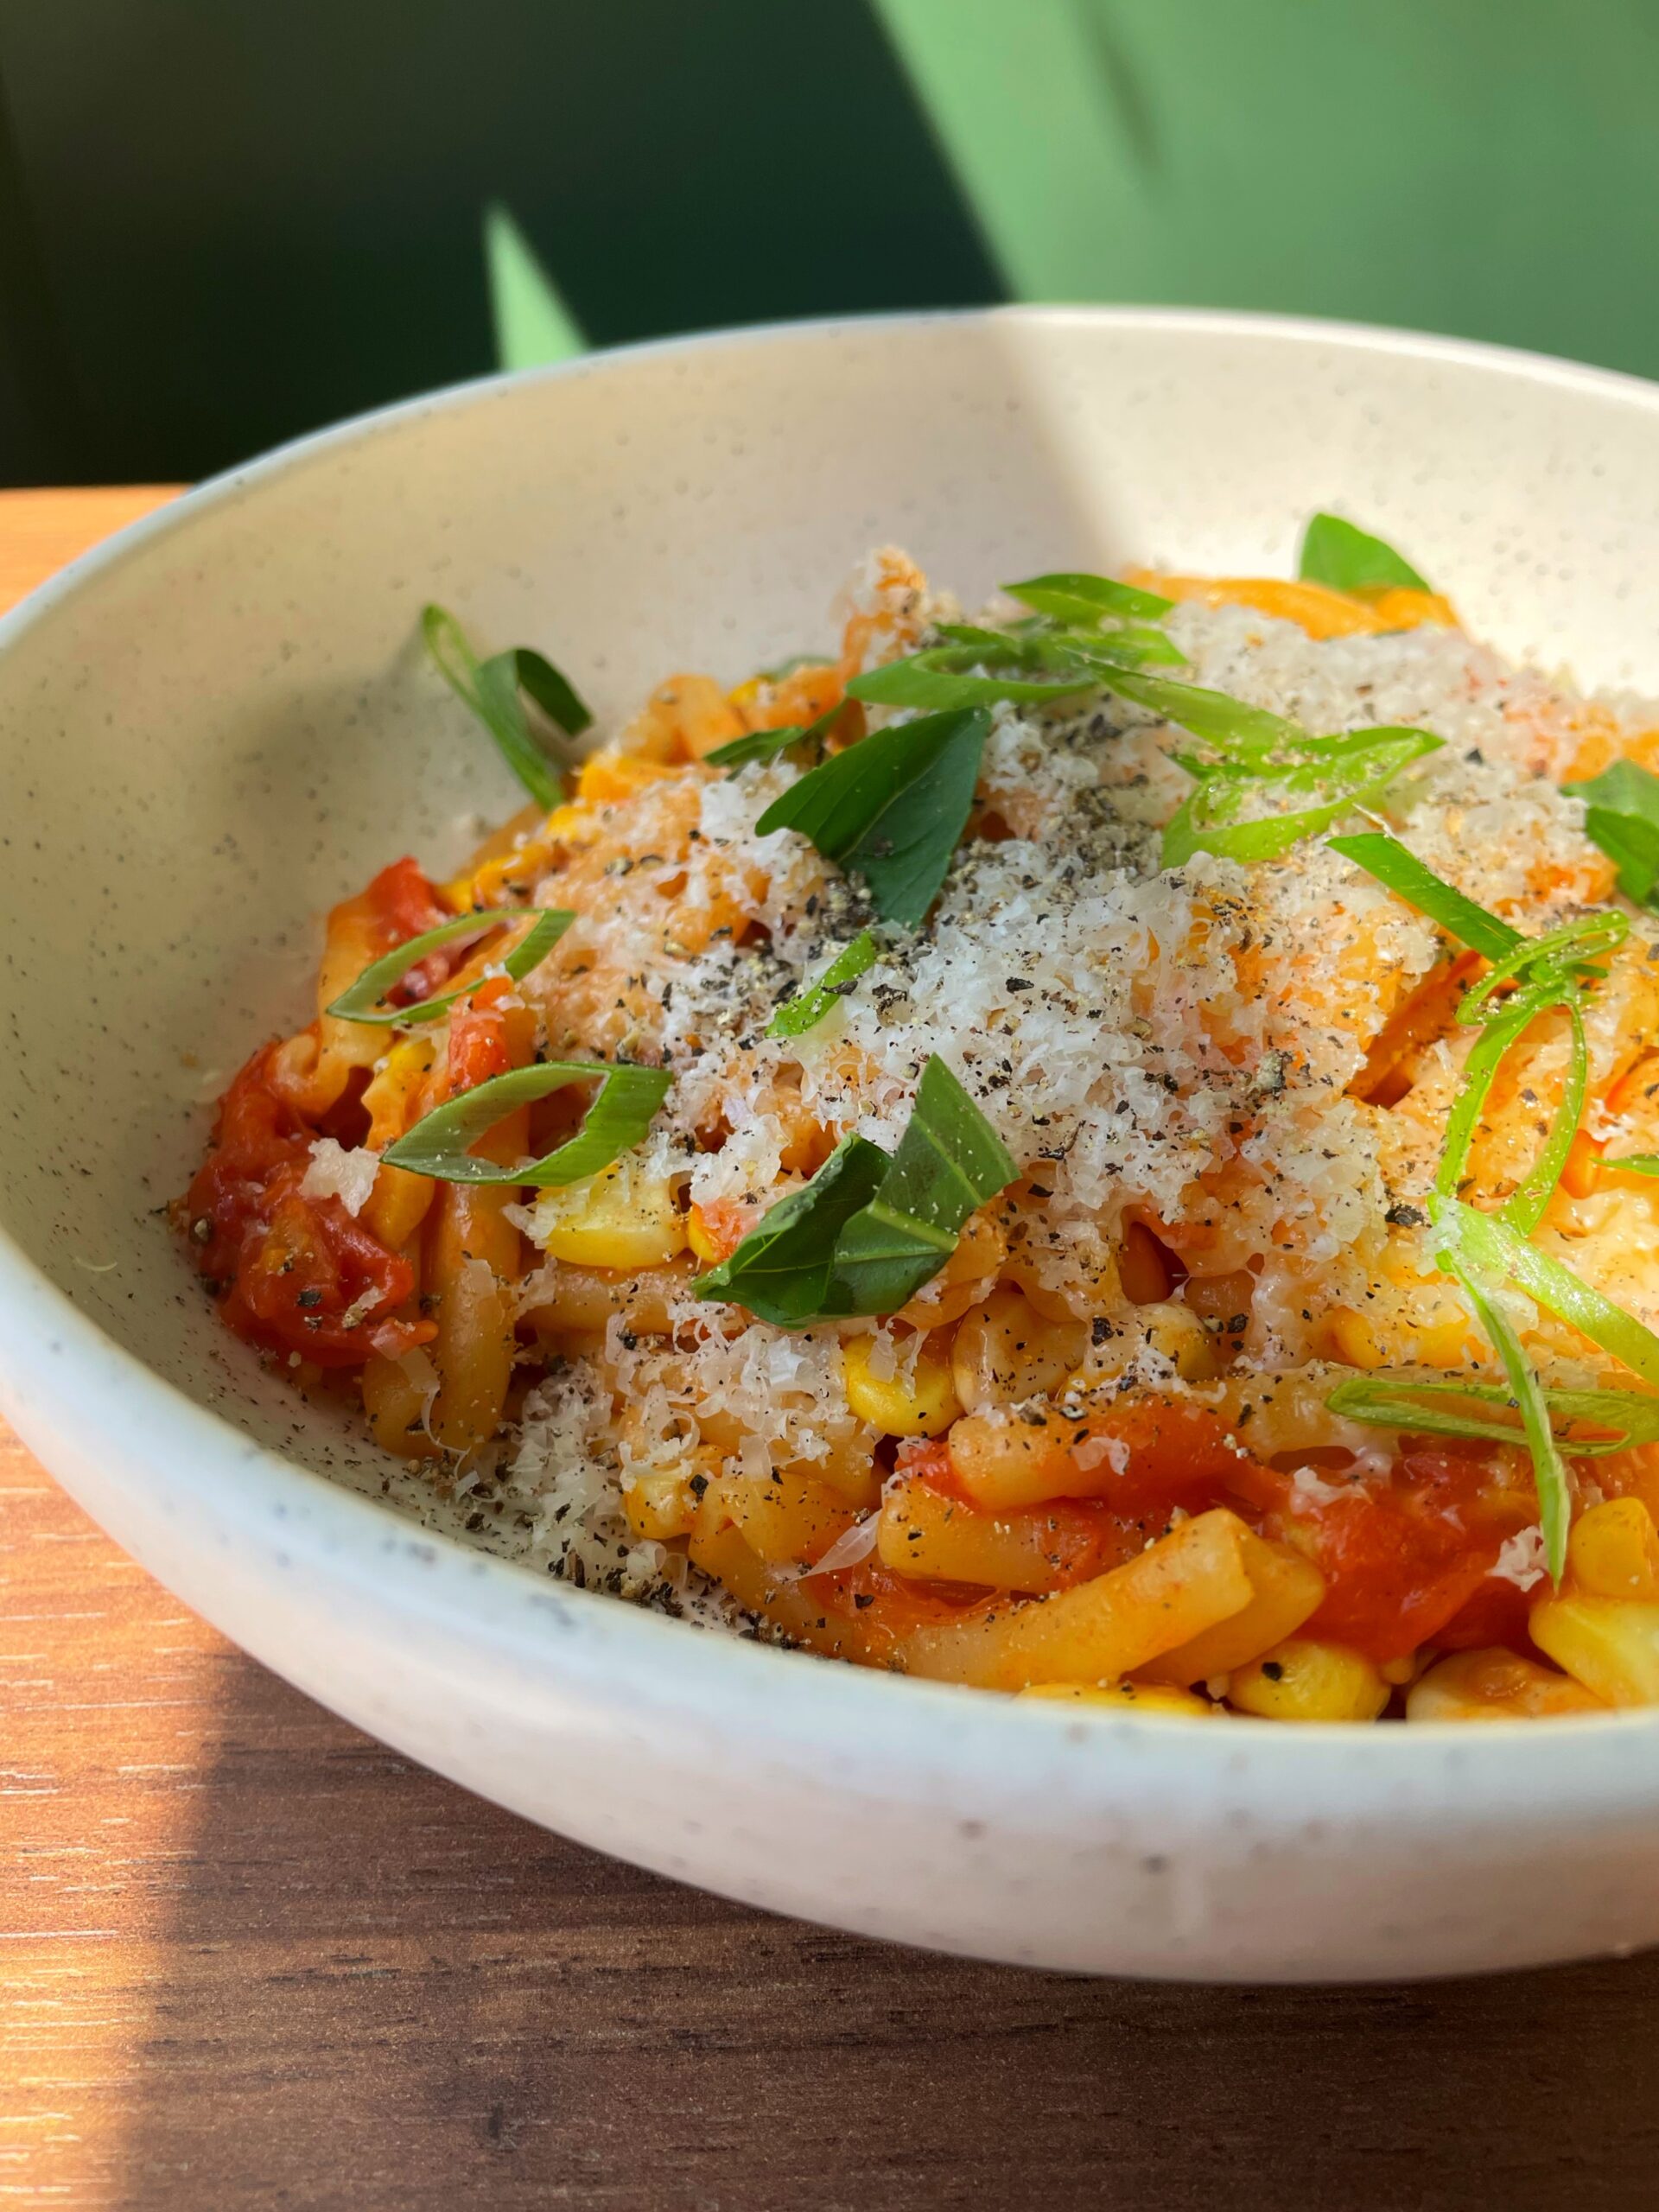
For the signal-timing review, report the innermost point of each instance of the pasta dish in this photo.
(1104, 1150)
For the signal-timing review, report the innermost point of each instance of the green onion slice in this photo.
(809, 1008)
(1247, 734)
(1336, 553)
(940, 679)
(616, 1121)
(1398, 867)
(1259, 816)
(1487, 1244)
(364, 1002)
(1076, 597)
(1548, 1468)
(767, 744)
(1428, 1405)
(492, 688)
(1635, 1163)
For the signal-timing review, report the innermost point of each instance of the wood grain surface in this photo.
(252, 1959)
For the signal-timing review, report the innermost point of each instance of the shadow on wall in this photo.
(257, 220)
(220, 227)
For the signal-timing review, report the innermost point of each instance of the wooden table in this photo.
(253, 1960)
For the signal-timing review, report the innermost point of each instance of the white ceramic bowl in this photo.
(217, 725)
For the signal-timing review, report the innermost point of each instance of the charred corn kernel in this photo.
(1609, 1644)
(1495, 1684)
(1613, 1551)
(621, 1217)
(1141, 1697)
(608, 776)
(660, 1506)
(1305, 1679)
(921, 1403)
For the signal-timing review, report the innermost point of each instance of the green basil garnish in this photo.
(892, 808)
(782, 1270)
(869, 1232)
(615, 1121)
(364, 1001)
(1259, 816)
(767, 744)
(1075, 597)
(1398, 867)
(492, 690)
(1622, 816)
(1334, 552)
(950, 1162)
(806, 1011)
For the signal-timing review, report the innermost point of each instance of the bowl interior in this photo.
(222, 725)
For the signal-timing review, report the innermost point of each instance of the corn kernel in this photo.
(1355, 1341)
(1304, 1680)
(620, 1218)
(1495, 1684)
(1609, 1644)
(1141, 1697)
(660, 1506)
(1613, 1551)
(924, 1404)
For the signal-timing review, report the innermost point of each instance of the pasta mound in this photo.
(1094, 1455)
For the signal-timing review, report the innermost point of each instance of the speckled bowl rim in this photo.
(796, 1704)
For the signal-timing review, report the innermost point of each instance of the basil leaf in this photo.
(806, 1010)
(1397, 1401)
(615, 1121)
(363, 1001)
(1074, 597)
(1398, 867)
(1622, 816)
(1335, 552)
(781, 1270)
(1228, 724)
(492, 689)
(939, 678)
(950, 1162)
(767, 744)
(891, 807)
(867, 1231)
(1260, 817)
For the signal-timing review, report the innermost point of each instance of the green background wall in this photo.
(224, 221)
